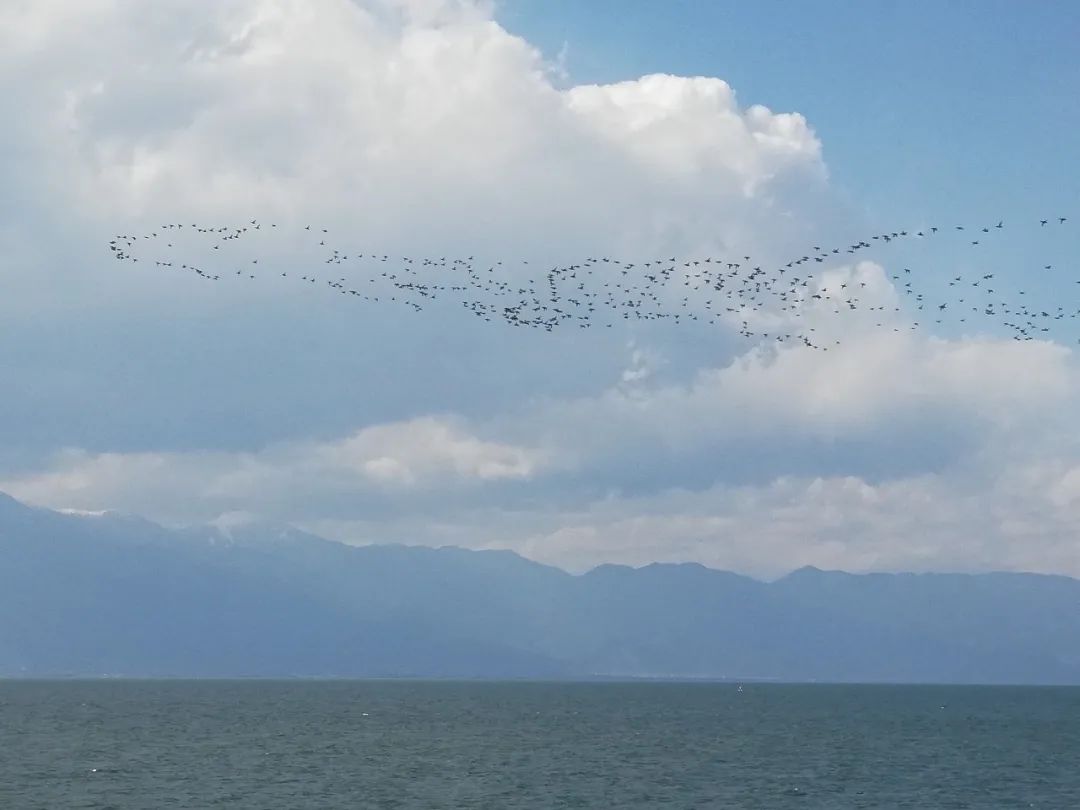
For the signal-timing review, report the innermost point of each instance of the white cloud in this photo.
(954, 522)
(1009, 500)
(684, 127)
(346, 110)
(427, 449)
(380, 461)
(874, 382)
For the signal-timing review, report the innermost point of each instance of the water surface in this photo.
(395, 744)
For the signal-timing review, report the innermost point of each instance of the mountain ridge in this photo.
(111, 594)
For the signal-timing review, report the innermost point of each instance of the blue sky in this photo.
(924, 108)
(547, 131)
(962, 112)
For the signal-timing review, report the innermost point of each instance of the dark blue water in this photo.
(114, 744)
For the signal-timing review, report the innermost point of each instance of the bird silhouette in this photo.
(738, 291)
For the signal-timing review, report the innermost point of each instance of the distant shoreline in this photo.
(493, 681)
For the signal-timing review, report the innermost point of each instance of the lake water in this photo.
(396, 744)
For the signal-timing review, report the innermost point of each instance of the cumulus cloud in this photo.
(346, 110)
(419, 128)
(875, 385)
(683, 127)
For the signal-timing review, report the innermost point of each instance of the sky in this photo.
(543, 130)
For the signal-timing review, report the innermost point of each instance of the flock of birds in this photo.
(781, 301)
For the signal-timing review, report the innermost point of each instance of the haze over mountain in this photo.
(109, 594)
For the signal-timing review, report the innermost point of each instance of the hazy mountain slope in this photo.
(82, 595)
(108, 594)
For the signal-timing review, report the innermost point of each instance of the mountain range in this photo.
(109, 595)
